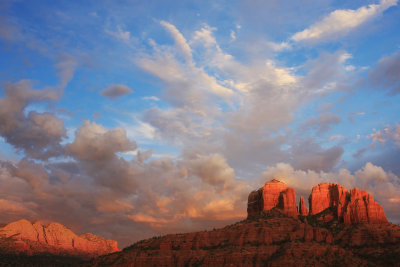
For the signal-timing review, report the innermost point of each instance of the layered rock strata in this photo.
(349, 207)
(274, 194)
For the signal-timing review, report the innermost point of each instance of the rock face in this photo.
(273, 194)
(362, 208)
(349, 207)
(303, 211)
(270, 239)
(31, 238)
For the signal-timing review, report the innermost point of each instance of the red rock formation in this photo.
(325, 195)
(54, 238)
(362, 208)
(271, 240)
(302, 207)
(350, 207)
(273, 194)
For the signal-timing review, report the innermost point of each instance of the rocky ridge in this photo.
(29, 238)
(336, 231)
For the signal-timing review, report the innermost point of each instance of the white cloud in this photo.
(180, 41)
(341, 22)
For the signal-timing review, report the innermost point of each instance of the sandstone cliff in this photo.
(349, 207)
(269, 238)
(31, 238)
(273, 194)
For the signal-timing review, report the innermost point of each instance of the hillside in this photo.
(351, 230)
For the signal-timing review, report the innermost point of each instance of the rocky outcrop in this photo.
(269, 239)
(31, 238)
(349, 207)
(274, 194)
(325, 195)
(362, 208)
(303, 211)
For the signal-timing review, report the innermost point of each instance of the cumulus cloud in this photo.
(94, 143)
(212, 169)
(197, 192)
(38, 135)
(115, 91)
(385, 76)
(341, 22)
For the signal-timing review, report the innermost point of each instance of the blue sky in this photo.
(156, 113)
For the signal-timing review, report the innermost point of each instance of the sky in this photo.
(131, 119)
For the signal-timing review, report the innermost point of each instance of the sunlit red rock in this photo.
(362, 208)
(349, 207)
(303, 211)
(326, 195)
(273, 194)
(55, 238)
(272, 240)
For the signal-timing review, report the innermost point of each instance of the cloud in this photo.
(308, 155)
(141, 199)
(65, 66)
(115, 91)
(153, 98)
(94, 143)
(38, 135)
(328, 72)
(391, 133)
(120, 34)
(180, 41)
(212, 169)
(335, 137)
(322, 123)
(341, 22)
(385, 75)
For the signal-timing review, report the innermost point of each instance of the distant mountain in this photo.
(26, 239)
(341, 228)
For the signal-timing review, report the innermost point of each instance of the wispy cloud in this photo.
(342, 21)
(153, 98)
(119, 34)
